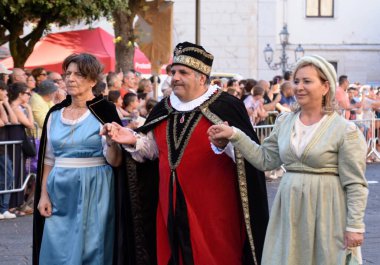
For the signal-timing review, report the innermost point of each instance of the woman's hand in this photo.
(119, 134)
(44, 205)
(219, 134)
(353, 239)
(113, 155)
(108, 130)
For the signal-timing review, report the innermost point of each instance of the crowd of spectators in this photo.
(354, 101)
(264, 100)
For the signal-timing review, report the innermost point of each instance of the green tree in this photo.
(14, 14)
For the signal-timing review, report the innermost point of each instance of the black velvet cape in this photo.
(124, 245)
(220, 107)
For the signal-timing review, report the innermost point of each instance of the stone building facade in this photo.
(237, 31)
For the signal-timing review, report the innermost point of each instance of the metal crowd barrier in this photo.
(263, 131)
(13, 162)
(373, 137)
(369, 127)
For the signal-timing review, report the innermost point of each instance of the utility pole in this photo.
(198, 22)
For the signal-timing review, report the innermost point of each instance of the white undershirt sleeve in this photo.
(145, 148)
(229, 150)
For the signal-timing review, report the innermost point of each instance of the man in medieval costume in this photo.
(207, 205)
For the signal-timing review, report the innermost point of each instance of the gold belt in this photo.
(315, 173)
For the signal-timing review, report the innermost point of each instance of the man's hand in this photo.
(119, 134)
(219, 134)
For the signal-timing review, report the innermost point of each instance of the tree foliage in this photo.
(14, 14)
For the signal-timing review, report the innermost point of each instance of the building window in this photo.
(319, 8)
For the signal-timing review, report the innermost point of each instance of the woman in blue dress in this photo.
(76, 195)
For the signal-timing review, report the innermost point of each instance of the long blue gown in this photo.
(81, 228)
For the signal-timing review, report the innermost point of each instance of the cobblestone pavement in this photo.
(16, 234)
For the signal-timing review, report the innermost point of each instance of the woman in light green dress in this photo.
(317, 215)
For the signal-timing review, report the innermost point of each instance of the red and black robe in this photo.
(201, 207)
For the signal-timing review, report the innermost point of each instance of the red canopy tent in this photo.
(51, 50)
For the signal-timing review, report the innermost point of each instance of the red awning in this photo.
(51, 50)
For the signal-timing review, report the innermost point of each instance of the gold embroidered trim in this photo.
(170, 110)
(156, 120)
(316, 138)
(211, 100)
(202, 107)
(240, 164)
(177, 141)
(240, 167)
(193, 63)
(323, 171)
(173, 166)
(167, 105)
(93, 112)
(179, 51)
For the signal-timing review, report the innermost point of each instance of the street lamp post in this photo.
(283, 64)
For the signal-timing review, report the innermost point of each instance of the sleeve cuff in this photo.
(129, 148)
(355, 230)
(233, 134)
(134, 148)
(217, 150)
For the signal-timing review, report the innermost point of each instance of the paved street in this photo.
(16, 235)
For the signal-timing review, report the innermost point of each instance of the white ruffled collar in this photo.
(188, 106)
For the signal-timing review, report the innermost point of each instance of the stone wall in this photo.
(236, 32)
